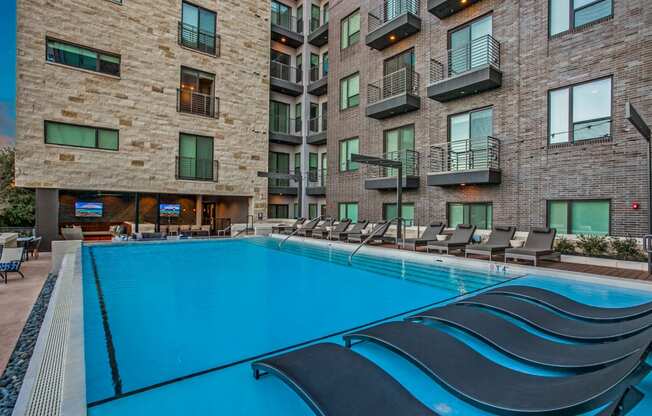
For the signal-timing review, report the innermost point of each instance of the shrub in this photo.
(565, 246)
(627, 249)
(593, 245)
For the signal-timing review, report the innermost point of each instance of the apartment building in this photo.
(503, 112)
(134, 112)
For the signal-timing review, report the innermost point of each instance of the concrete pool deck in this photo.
(16, 300)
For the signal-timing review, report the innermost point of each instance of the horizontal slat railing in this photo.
(403, 81)
(461, 155)
(189, 101)
(480, 52)
(389, 10)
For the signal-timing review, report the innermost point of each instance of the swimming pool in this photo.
(171, 328)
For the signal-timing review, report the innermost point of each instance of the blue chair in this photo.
(10, 262)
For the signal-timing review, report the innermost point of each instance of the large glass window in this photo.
(279, 117)
(579, 217)
(478, 214)
(350, 91)
(198, 28)
(389, 213)
(347, 148)
(80, 136)
(281, 15)
(195, 157)
(580, 112)
(312, 211)
(325, 13)
(397, 143)
(350, 30)
(467, 134)
(348, 210)
(279, 163)
(468, 45)
(566, 14)
(81, 57)
(197, 92)
(315, 17)
(278, 211)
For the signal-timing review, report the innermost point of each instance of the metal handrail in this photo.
(461, 155)
(197, 169)
(403, 81)
(189, 101)
(389, 10)
(192, 37)
(321, 218)
(289, 22)
(478, 53)
(282, 124)
(409, 159)
(285, 72)
(370, 236)
(318, 124)
(224, 231)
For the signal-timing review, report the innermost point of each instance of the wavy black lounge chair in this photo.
(488, 385)
(497, 243)
(376, 235)
(525, 346)
(338, 228)
(283, 229)
(548, 321)
(307, 225)
(538, 244)
(428, 236)
(355, 230)
(461, 238)
(336, 381)
(307, 231)
(573, 308)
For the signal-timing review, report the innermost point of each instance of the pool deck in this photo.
(16, 300)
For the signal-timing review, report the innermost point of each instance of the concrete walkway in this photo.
(16, 300)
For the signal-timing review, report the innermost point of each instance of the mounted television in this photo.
(89, 209)
(170, 210)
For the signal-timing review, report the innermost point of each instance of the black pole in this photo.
(137, 211)
(399, 201)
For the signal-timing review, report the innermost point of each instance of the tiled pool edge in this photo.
(55, 380)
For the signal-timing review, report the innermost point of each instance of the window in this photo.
(279, 117)
(280, 66)
(347, 210)
(315, 17)
(80, 136)
(198, 28)
(579, 217)
(389, 213)
(580, 112)
(347, 148)
(277, 211)
(350, 30)
(396, 144)
(300, 19)
(467, 134)
(295, 210)
(350, 91)
(81, 57)
(323, 210)
(195, 157)
(324, 166)
(325, 13)
(313, 167)
(196, 95)
(478, 214)
(566, 14)
(324, 64)
(401, 81)
(281, 15)
(299, 68)
(297, 163)
(279, 163)
(469, 47)
(312, 211)
(314, 67)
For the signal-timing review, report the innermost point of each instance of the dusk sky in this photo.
(7, 71)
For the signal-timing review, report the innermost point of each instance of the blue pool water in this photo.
(178, 324)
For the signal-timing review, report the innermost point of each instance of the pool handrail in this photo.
(372, 234)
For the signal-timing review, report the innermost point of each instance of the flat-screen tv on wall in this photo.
(170, 210)
(89, 209)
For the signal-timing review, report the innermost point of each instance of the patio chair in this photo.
(355, 230)
(497, 243)
(307, 231)
(538, 244)
(375, 236)
(173, 229)
(460, 238)
(33, 247)
(289, 229)
(72, 233)
(340, 227)
(10, 262)
(427, 236)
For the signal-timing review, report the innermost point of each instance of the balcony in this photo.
(397, 93)
(318, 33)
(192, 169)
(283, 187)
(384, 179)
(317, 130)
(191, 102)
(465, 162)
(469, 70)
(193, 38)
(285, 79)
(284, 130)
(318, 81)
(287, 29)
(392, 22)
(446, 8)
(317, 179)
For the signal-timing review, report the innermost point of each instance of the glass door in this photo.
(279, 117)
(469, 46)
(395, 82)
(397, 144)
(468, 137)
(279, 163)
(281, 15)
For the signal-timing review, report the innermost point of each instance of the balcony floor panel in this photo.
(286, 87)
(401, 27)
(468, 83)
(393, 106)
(292, 39)
(465, 177)
(446, 8)
(409, 182)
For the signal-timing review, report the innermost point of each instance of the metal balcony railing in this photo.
(189, 101)
(480, 52)
(317, 177)
(190, 168)
(318, 72)
(285, 72)
(283, 183)
(403, 81)
(288, 22)
(390, 10)
(285, 125)
(318, 124)
(409, 158)
(315, 24)
(461, 155)
(194, 38)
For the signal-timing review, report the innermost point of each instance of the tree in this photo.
(16, 204)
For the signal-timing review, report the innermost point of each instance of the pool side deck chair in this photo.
(376, 235)
(429, 235)
(281, 228)
(355, 230)
(538, 244)
(10, 262)
(308, 232)
(338, 228)
(497, 243)
(460, 239)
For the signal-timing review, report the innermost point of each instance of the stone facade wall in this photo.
(533, 171)
(142, 102)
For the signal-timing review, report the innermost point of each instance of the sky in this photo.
(7, 72)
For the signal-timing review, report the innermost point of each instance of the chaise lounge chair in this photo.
(460, 238)
(10, 262)
(376, 235)
(526, 346)
(337, 229)
(573, 308)
(498, 389)
(538, 244)
(428, 236)
(281, 228)
(497, 243)
(309, 225)
(308, 232)
(560, 326)
(355, 230)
